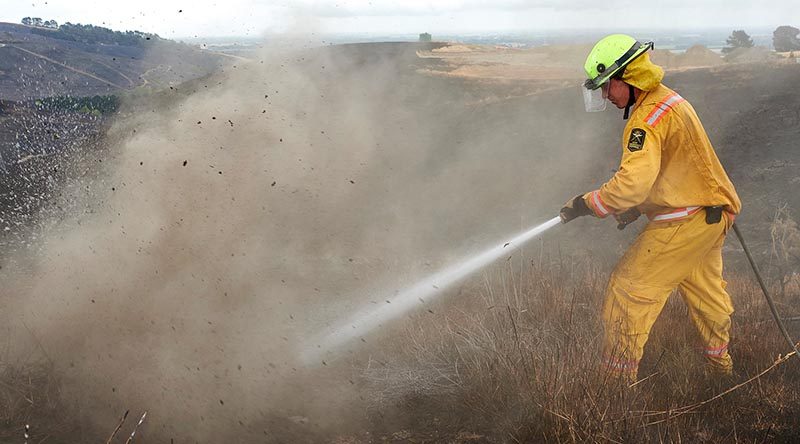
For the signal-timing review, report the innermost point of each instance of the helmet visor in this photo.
(593, 100)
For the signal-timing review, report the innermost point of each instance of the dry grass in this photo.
(516, 361)
(785, 254)
(30, 393)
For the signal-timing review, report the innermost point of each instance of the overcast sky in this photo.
(189, 18)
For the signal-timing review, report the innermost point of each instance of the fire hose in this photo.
(770, 301)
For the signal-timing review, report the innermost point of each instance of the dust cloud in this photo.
(249, 210)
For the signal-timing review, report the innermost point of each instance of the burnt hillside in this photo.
(34, 64)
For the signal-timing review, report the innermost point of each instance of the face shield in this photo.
(593, 99)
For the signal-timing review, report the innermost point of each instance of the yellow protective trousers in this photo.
(684, 254)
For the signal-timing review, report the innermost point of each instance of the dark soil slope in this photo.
(34, 65)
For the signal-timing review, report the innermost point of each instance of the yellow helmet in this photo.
(610, 56)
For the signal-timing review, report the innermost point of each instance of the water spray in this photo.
(412, 297)
(363, 322)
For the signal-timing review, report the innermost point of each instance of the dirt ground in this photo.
(238, 215)
(560, 63)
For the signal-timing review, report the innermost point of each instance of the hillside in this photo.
(35, 64)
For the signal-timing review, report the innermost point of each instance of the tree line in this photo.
(88, 33)
(36, 21)
(784, 39)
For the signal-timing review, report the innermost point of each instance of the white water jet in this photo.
(423, 291)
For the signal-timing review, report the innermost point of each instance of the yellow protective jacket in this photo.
(669, 169)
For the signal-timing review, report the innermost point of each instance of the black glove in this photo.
(626, 218)
(574, 207)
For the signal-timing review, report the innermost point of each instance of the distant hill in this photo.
(85, 60)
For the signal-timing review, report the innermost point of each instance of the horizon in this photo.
(544, 36)
(257, 18)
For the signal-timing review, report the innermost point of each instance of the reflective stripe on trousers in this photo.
(716, 351)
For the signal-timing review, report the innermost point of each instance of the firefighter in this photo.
(670, 173)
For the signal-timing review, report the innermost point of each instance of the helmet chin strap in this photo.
(631, 101)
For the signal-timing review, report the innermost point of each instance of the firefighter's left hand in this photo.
(626, 218)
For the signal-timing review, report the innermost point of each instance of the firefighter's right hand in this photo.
(575, 207)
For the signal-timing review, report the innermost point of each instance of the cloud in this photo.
(383, 8)
(252, 17)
